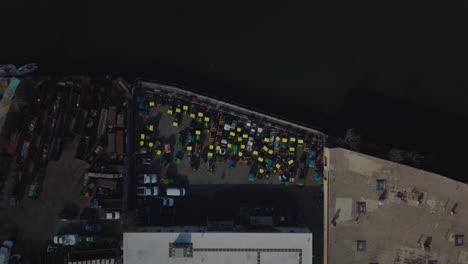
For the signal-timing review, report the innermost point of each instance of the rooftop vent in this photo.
(361, 245)
(180, 250)
(361, 207)
(380, 185)
(459, 240)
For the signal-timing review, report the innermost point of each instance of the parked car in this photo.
(312, 163)
(146, 161)
(147, 191)
(250, 144)
(5, 250)
(175, 192)
(318, 162)
(232, 163)
(253, 129)
(143, 109)
(66, 240)
(317, 175)
(52, 249)
(259, 131)
(93, 228)
(142, 150)
(147, 178)
(313, 154)
(233, 124)
(110, 215)
(168, 202)
(252, 176)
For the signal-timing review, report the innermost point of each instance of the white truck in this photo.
(175, 191)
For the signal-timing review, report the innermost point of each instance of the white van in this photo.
(175, 192)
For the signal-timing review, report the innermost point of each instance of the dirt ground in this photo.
(34, 221)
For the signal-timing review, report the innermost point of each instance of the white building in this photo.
(218, 248)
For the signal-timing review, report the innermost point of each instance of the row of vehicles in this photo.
(89, 214)
(149, 187)
(145, 191)
(157, 196)
(77, 240)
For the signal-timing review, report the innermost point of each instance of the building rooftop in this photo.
(407, 215)
(218, 248)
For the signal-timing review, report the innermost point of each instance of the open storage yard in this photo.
(66, 177)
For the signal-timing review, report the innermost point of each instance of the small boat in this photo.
(25, 69)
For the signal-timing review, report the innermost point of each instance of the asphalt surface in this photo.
(33, 223)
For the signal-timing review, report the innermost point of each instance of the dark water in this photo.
(395, 70)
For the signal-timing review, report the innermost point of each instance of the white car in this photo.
(168, 202)
(250, 144)
(112, 215)
(175, 191)
(253, 129)
(147, 191)
(234, 124)
(259, 131)
(224, 142)
(147, 178)
(66, 240)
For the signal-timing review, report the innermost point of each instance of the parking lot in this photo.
(203, 135)
(187, 142)
(239, 174)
